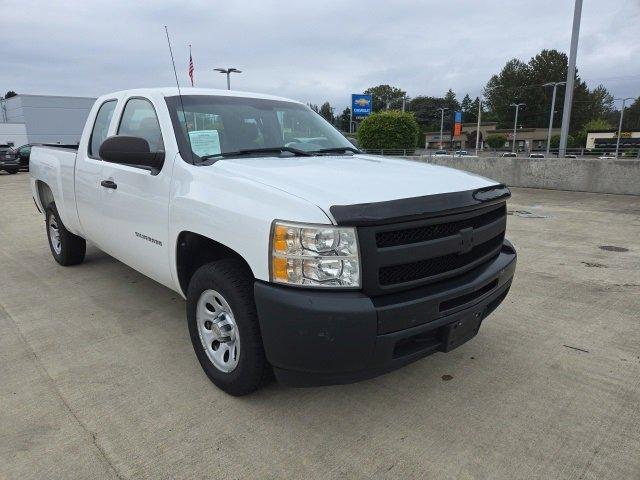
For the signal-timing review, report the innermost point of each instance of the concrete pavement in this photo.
(98, 378)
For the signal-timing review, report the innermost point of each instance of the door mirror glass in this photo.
(132, 151)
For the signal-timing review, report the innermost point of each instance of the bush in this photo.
(496, 140)
(388, 129)
(555, 141)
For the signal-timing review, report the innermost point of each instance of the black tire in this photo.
(12, 171)
(231, 278)
(72, 247)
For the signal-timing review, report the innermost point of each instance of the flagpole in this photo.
(191, 63)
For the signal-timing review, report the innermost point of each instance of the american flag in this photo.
(190, 66)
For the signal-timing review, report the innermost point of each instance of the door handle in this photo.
(109, 184)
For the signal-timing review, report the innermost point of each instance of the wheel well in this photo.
(45, 195)
(194, 250)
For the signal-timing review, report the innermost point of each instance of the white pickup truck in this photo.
(297, 254)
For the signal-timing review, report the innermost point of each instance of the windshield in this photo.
(219, 125)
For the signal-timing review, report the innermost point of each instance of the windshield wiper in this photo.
(337, 150)
(250, 151)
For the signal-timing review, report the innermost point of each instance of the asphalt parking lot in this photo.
(98, 378)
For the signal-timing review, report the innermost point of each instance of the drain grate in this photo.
(613, 248)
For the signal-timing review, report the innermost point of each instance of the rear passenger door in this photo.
(88, 173)
(135, 200)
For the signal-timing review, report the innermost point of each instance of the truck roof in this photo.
(173, 91)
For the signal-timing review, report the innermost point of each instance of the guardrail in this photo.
(403, 152)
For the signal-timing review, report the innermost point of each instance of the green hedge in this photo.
(389, 129)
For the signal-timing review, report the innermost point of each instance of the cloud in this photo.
(310, 51)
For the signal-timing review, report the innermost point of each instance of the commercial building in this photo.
(527, 139)
(606, 140)
(44, 119)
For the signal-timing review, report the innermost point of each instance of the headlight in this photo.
(314, 255)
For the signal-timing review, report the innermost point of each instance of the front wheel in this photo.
(224, 329)
(66, 248)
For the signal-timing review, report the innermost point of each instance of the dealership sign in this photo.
(361, 105)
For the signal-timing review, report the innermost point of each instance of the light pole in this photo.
(442, 110)
(624, 100)
(571, 76)
(515, 123)
(553, 106)
(228, 72)
(478, 128)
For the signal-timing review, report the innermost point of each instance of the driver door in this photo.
(135, 201)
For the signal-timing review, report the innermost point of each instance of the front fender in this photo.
(234, 211)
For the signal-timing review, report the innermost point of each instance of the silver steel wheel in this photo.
(54, 234)
(218, 331)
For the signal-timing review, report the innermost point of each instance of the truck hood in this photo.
(347, 180)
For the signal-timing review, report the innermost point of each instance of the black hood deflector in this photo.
(406, 209)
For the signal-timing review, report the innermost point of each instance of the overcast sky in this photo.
(309, 51)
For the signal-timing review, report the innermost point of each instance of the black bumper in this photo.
(326, 337)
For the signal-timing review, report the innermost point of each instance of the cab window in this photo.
(101, 127)
(139, 119)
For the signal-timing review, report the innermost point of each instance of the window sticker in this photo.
(205, 142)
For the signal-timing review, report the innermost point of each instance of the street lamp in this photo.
(515, 123)
(478, 128)
(624, 100)
(571, 76)
(228, 72)
(553, 106)
(442, 110)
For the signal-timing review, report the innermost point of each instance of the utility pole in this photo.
(624, 100)
(478, 127)
(571, 76)
(553, 106)
(442, 110)
(515, 123)
(228, 72)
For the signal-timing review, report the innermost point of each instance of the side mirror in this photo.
(130, 151)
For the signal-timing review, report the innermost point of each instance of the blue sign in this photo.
(361, 105)
(457, 117)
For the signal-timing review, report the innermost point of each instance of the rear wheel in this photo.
(12, 171)
(66, 248)
(224, 329)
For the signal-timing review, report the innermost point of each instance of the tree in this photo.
(326, 112)
(525, 82)
(385, 97)
(426, 111)
(388, 129)
(10, 94)
(631, 119)
(344, 119)
(594, 125)
(496, 140)
(313, 107)
(450, 101)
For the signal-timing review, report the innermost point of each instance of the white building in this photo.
(44, 119)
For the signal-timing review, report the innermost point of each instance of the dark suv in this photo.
(9, 159)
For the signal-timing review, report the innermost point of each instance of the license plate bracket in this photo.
(461, 331)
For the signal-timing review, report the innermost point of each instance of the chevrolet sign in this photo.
(361, 105)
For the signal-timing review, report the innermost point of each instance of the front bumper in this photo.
(316, 337)
(9, 165)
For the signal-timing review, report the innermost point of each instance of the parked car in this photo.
(570, 155)
(23, 153)
(607, 156)
(440, 153)
(8, 160)
(306, 258)
(461, 153)
(509, 154)
(536, 155)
